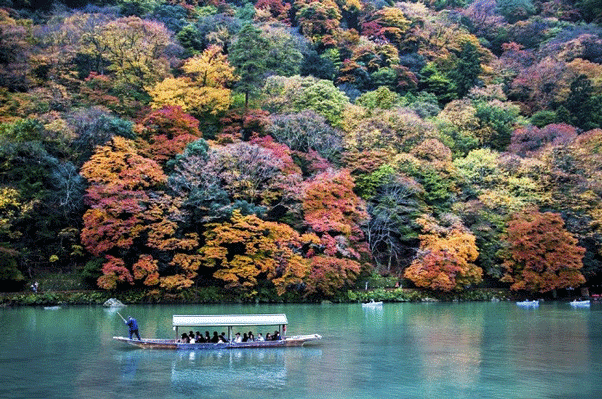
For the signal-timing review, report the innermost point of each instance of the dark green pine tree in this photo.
(249, 56)
(580, 104)
(433, 81)
(468, 67)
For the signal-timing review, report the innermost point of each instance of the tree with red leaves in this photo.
(541, 255)
(168, 131)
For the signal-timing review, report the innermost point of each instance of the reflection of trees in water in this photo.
(558, 342)
(448, 345)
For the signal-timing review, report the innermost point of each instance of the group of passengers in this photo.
(192, 338)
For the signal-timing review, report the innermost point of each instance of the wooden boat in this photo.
(222, 322)
(528, 304)
(580, 304)
(372, 304)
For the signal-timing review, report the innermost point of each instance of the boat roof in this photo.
(229, 320)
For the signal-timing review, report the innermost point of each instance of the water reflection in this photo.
(448, 346)
(253, 369)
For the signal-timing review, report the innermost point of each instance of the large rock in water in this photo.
(113, 303)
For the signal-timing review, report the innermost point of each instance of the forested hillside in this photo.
(297, 146)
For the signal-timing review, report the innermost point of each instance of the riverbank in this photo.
(211, 295)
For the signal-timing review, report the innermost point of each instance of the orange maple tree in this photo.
(130, 219)
(541, 255)
(247, 249)
(445, 259)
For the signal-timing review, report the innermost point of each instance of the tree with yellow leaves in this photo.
(445, 258)
(204, 87)
(248, 249)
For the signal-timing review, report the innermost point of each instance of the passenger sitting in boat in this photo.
(237, 339)
(215, 338)
(222, 338)
(251, 336)
(207, 337)
(276, 336)
(245, 337)
(199, 338)
(185, 338)
(191, 337)
(268, 337)
(260, 337)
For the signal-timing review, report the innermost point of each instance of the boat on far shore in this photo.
(580, 304)
(372, 304)
(528, 304)
(224, 322)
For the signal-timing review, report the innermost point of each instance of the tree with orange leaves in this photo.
(445, 258)
(129, 219)
(540, 255)
(248, 249)
(336, 214)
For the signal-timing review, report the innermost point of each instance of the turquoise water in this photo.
(438, 350)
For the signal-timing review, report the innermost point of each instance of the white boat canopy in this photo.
(229, 320)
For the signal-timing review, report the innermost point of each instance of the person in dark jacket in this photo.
(133, 326)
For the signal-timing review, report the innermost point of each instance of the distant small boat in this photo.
(113, 303)
(528, 304)
(580, 304)
(52, 307)
(372, 304)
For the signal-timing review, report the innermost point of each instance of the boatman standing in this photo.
(133, 325)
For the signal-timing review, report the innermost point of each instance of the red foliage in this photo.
(168, 131)
(146, 268)
(277, 8)
(329, 274)
(331, 206)
(541, 255)
(529, 140)
(114, 272)
(237, 126)
(280, 151)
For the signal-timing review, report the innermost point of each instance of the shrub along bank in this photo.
(217, 295)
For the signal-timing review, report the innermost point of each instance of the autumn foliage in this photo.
(302, 147)
(445, 261)
(248, 248)
(541, 255)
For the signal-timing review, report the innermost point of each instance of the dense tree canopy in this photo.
(298, 146)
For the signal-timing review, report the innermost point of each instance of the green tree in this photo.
(437, 83)
(468, 67)
(582, 104)
(248, 54)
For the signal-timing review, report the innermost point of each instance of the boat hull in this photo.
(528, 304)
(172, 344)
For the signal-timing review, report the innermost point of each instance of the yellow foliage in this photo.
(204, 89)
(176, 281)
(211, 68)
(265, 248)
(446, 256)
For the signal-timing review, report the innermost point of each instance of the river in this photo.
(402, 350)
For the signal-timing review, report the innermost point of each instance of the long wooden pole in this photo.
(121, 317)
